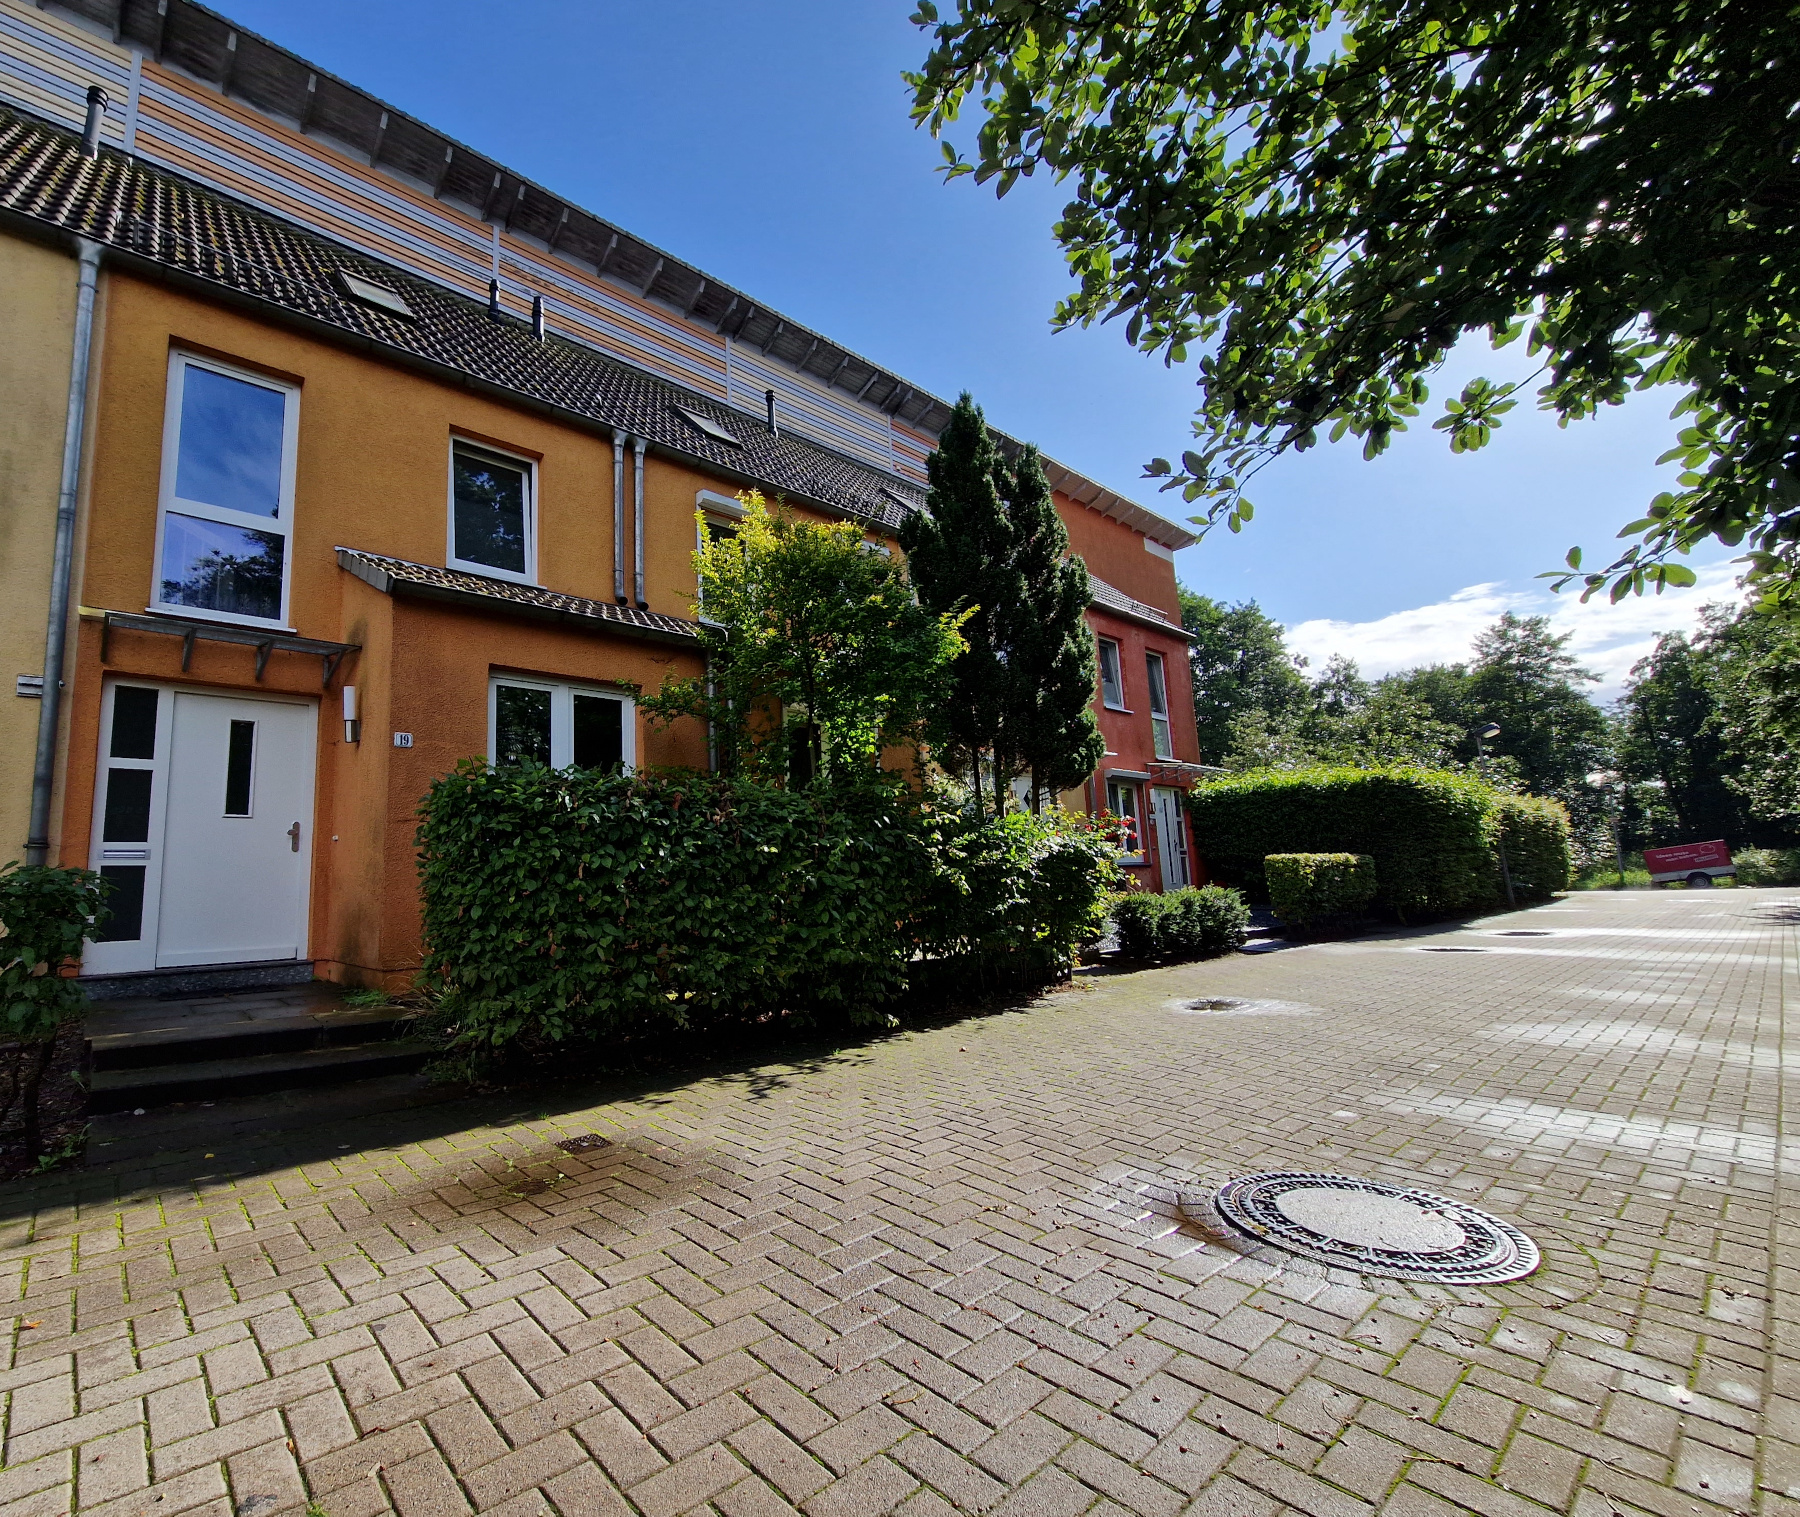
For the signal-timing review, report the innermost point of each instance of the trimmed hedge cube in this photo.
(1307, 889)
(1190, 923)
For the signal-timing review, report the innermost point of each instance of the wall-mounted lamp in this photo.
(352, 727)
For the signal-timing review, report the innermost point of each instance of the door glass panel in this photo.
(231, 434)
(599, 732)
(133, 723)
(490, 511)
(124, 921)
(127, 806)
(521, 724)
(240, 754)
(213, 567)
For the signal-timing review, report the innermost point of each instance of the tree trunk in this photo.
(34, 1079)
(14, 1064)
(980, 806)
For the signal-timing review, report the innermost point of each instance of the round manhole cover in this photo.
(1526, 932)
(1377, 1229)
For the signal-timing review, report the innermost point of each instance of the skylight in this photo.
(703, 423)
(370, 293)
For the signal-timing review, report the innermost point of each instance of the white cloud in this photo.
(1606, 638)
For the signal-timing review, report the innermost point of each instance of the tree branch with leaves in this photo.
(1318, 200)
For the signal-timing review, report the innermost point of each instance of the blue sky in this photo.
(770, 144)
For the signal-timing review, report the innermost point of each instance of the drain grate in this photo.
(1452, 950)
(586, 1142)
(1377, 1229)
(1525, 932)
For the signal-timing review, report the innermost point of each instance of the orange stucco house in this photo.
(350, 512)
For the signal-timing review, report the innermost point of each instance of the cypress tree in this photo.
(1048, 728)
(959, 552)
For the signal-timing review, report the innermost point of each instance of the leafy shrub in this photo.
(1014, 885)
(1190, 923)
(1433, 835)
(1306, 889)
(1536, 832)
(568, 906)
(1767, 866)
(45, 914)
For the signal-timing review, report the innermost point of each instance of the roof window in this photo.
(370, 293)
(704, 423)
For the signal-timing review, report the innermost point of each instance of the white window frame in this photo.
(168, 503)
(715, 508)
(562, 716)
(1118, 667)
(469, 566)
(1162, 735)
(1137, 815)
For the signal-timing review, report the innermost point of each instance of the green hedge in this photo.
(1433, 835)
(1182, 924)
(1310, 888)
(1536, 832)
(574, 905)
(1766, 866)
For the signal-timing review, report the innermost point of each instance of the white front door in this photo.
(1171, 837)
(203, 822)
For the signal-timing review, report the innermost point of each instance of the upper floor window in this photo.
(1112, 682)
(227, 500)
(492, 530)
(1159, 706)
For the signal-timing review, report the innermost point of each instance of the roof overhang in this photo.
(402, 578)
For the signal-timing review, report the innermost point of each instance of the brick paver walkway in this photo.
(972, 1268)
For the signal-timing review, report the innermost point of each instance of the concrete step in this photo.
(148, 1047)
(147, 1053)
(121, 1090)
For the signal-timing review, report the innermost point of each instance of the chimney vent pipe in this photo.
(537, 317)
(90, 133)
(493, 300)
(769, 400)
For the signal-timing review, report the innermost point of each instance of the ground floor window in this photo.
(1122, 801)
(559, 725)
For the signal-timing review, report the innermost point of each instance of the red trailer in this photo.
(1690, 864)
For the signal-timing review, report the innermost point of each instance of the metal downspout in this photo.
(618, 516)
(43, 773)
(637, 496)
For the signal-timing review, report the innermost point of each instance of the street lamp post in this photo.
(1614, 786)
(1486, 733)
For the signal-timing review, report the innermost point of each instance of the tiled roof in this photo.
(1110, 598)
(398, 576)
(174, 224)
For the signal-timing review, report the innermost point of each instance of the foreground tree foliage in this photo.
(1319, 199)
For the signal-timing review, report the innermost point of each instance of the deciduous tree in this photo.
(818, 653)
(1317, 201)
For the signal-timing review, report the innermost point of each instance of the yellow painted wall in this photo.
(37, 318)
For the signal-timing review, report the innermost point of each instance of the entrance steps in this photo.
(146, 1053)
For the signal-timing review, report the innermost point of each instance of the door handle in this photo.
(294, 836)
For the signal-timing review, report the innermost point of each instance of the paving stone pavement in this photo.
(972, 1268)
